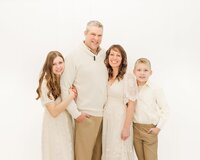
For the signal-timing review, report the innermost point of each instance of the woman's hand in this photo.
(125, 133)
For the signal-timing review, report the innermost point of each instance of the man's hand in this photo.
(82, 117)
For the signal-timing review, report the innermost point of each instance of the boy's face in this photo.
(142, 73)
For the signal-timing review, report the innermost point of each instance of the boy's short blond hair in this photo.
(144, 61)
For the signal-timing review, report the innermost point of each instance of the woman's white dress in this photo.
(114, 148)
(57, 133)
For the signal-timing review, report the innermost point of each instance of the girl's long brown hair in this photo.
(53, 82)
(123, 65)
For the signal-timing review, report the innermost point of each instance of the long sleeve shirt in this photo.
(88, 73)
(151, 107)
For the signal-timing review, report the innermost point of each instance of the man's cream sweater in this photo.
(88, 73)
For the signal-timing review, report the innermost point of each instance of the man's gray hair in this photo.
(93, 23)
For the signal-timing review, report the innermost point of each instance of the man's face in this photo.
(93, 38)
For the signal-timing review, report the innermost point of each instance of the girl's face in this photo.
(142, 73)
(114, 58)
(58, 66)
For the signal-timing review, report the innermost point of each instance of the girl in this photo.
(57, 138)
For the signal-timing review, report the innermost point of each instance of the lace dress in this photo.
(114, 148)
(57, 135)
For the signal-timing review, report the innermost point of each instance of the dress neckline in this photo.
(111, 84)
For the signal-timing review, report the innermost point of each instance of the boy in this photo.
(150, 114)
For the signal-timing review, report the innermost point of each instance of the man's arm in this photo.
(67, 79)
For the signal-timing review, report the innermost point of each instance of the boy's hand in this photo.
(154, 130)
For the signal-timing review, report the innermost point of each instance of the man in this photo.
(85, 69)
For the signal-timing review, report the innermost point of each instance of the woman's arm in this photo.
(128, 120)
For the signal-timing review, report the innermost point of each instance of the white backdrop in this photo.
(166, 32)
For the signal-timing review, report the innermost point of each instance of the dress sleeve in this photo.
(130, 88)
(44, 97)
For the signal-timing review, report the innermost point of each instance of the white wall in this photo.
(166, 32)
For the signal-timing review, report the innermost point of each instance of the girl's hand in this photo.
(73, 92)
(74, 89)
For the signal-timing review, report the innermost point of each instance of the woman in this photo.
(118, 113)
(57, 137)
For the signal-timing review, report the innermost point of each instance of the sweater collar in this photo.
(89, 50)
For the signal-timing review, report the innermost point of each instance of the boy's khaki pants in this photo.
(88, 139)
(145, 143)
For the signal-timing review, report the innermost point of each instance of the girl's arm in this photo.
(55, 110)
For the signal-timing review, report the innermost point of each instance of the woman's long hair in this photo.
(53, 82)
(123, 65)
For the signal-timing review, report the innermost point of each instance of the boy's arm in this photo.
(163, 108)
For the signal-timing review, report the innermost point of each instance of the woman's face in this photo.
(115, 58)
(58, 66)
